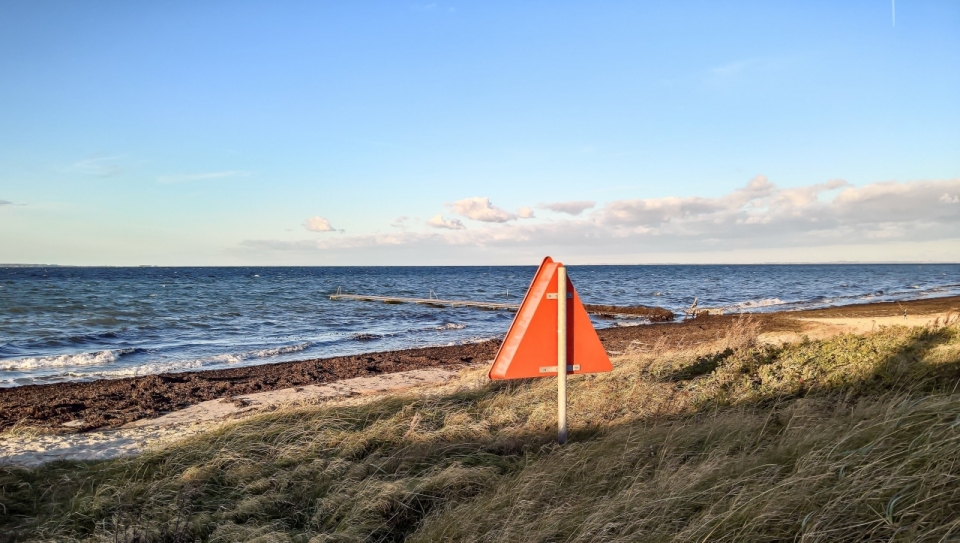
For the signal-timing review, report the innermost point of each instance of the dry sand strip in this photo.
(136, 437)
(860, 325)
(826, 327)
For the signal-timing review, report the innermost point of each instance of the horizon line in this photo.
(793, 263)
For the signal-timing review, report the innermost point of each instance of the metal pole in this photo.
(561, 354)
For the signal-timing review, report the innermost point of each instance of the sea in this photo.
(60, 324)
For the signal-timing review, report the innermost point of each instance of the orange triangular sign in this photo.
(530, 348)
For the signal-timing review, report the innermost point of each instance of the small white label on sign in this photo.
(553, 295)
(553, 369)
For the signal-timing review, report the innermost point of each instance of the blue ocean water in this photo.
(67, 324)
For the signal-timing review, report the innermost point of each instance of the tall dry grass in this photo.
(851, 438)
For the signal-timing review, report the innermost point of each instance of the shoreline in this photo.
(33, 448)
(111, 403)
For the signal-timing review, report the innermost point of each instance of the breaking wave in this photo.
(97, 358)
(233, 358)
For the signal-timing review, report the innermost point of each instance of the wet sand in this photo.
(73, 407)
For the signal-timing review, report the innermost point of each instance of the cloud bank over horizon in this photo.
(759, 216)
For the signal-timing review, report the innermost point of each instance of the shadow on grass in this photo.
(702, 366)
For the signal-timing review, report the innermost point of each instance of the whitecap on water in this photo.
(233, 358)
(766, 302)
(97, 358)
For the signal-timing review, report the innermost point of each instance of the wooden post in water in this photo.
(562, 354)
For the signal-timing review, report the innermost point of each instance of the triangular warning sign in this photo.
(530, 348)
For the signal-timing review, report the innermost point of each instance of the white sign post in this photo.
(562, 354)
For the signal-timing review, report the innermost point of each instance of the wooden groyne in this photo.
(424, 301)
(654, 314)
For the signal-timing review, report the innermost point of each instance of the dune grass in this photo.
(848, 439)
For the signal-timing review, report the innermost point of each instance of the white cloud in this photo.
(480, 209)
(439, 222)
(318, 224)
(525, 213)
(946, 198)
(400, 222)
(183, 178)
(574, 207)
(896, 202)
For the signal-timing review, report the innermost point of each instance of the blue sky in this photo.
(202, 133)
